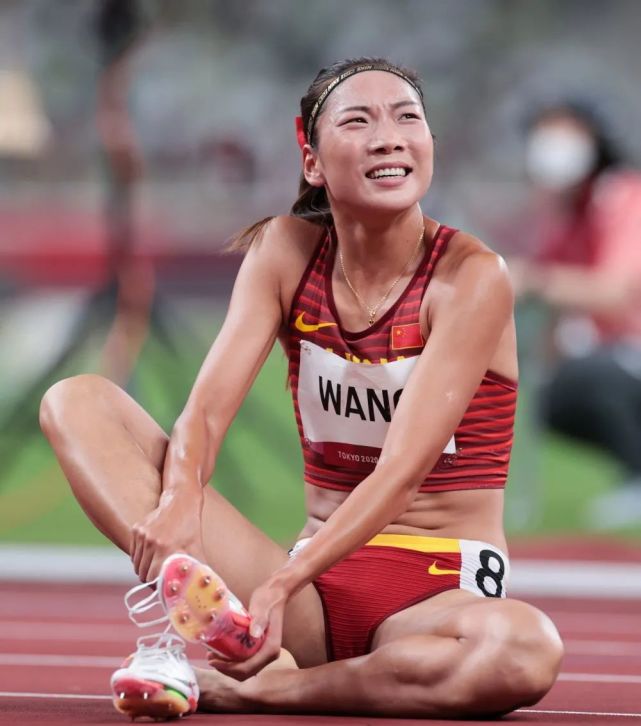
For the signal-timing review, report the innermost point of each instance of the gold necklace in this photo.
(371, 311)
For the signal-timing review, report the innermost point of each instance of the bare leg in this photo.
(486, 658)
(112, 453)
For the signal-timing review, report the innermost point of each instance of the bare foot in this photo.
(222, 694)
(218, 692)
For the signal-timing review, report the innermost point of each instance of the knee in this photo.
(527, 652)
(66, 397)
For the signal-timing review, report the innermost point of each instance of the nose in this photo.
(386, 139)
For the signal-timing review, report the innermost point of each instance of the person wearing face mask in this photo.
(587, 268)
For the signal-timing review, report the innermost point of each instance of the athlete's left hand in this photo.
(267, 610)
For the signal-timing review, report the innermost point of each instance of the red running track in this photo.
(60, 644)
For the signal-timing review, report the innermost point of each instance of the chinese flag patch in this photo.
(407, 336)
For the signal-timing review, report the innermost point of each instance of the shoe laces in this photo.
(136, 608)
(160, 649)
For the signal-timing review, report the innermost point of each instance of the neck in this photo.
(377, 249)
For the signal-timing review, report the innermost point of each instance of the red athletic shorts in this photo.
(392, 572)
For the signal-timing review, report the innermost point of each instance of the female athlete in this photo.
(402, 364)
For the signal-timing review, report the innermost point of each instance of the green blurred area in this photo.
(260, 466)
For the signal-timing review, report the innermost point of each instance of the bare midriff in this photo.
(469, 514)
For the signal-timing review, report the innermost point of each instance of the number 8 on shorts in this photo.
(484, 569)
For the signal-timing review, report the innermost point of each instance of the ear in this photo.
(312, 170)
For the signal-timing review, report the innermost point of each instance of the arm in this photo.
(611, 285)
(583, 289)
(243, 344)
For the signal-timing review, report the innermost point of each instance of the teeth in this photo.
(393, 171)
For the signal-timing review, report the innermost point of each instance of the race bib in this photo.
(346, 407)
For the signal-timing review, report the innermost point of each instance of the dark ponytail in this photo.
(312, 203)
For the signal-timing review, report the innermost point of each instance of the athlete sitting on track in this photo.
(393, 601)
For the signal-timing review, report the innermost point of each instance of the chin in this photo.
(391, 201)
(382, 201)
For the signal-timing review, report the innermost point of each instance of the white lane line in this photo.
(34, 660)
(77, 696)
(598, 678)
(578, 713)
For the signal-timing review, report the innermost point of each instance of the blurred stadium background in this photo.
(131, 149)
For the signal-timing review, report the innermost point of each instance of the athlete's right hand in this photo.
(175, 526)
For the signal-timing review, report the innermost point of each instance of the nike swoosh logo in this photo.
(307, 328)
(434, 569)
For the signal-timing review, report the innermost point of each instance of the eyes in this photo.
(407, 115)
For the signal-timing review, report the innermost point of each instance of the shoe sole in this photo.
(199, 607)
(139, 698)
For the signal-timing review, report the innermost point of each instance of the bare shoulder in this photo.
(469, 276)
(284, 250)
(470, 262)
(286, 240)
(471, 299)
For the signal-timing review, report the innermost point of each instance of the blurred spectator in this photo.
(587, 268)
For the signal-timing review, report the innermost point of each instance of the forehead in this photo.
(370, 88)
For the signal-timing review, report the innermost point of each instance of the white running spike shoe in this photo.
(156, 681)
(193, 599)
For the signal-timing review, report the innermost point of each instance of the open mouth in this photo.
(391, 171)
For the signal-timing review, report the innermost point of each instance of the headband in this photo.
(303, 137)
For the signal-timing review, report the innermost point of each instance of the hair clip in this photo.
(300, 132)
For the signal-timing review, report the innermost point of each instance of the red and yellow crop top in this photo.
(346, 386)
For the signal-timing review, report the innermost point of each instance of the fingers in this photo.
(257, 627)
(261, 611)
(268, 652)
(155, 565)
(145, 561)
(159, 534)
(243, 670)
(147, 555)
(137, 549)
(266, 620)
